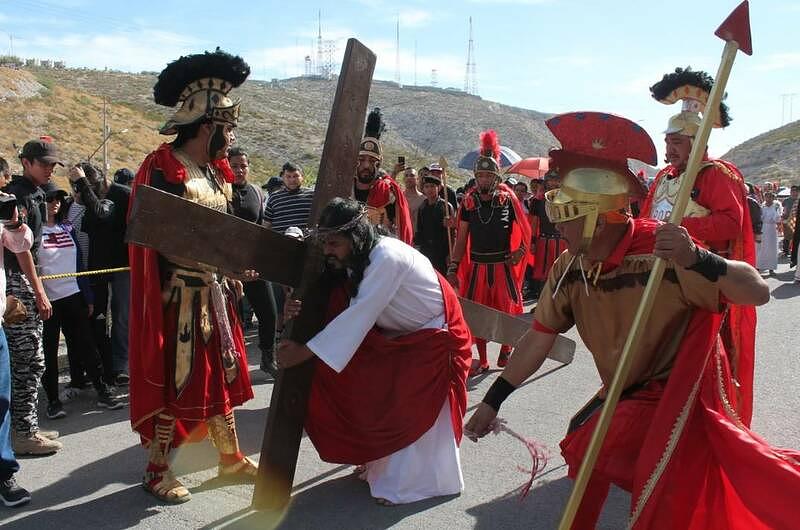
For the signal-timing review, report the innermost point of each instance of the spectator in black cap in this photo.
(38, 158)
(105, 221)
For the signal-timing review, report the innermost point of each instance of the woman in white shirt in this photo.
(59, 254)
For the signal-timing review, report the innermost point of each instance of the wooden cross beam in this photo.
(177, 227)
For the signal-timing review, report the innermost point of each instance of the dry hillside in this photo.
(774, 155)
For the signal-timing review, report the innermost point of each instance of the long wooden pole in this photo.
(646, 304)
(443, 163)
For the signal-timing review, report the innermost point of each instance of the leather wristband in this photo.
(498, 393)
(709, 265)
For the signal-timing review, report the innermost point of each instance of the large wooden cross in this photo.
(172, 225)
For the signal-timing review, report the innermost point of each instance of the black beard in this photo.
(366, 179)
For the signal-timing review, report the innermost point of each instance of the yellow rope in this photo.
(84, 273)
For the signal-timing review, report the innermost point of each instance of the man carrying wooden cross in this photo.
(389, 389)
(675, 441)
(189, 368)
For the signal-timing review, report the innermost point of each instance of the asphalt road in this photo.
(94, 481)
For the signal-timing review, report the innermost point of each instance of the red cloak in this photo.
(497, 296)
(391, 391)
(681, 450)
(151, 386)
(380, 195)
(722, 190)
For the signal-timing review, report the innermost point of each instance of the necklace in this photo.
(491, 213)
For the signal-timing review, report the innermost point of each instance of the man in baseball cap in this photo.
(42, 150)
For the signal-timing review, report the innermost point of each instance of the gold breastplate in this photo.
(664, 200)
(201, 189)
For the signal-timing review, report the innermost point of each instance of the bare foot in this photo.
(384, 502)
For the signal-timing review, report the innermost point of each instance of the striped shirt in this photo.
(289, 208)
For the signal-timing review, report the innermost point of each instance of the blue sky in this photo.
(547, 55)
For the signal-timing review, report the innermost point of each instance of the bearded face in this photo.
(367, 169)
(485, 181)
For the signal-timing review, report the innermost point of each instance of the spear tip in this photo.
(737, 28)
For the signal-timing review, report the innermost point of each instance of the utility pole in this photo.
(790, 98)
(415, 62)
(105, 135)
(397, 53)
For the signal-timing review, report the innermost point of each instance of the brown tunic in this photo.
(604, 315)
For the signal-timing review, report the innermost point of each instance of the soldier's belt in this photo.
(488, 257)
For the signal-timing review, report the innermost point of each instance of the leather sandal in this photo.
(243, 469)
(165, 487)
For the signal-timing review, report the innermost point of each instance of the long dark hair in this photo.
(362, 235)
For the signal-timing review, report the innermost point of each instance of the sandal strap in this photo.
(245, 466)
(165, 486)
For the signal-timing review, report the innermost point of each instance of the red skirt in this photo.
(548, 249)
(493, 285)
(206, 393)
(391, 391)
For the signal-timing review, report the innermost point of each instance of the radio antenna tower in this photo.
(397, 54)
(320, 62)
(470, 78)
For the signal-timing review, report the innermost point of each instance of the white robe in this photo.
(400, 293)
(767, 250)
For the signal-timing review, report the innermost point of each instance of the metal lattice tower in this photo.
(470, 77)
(320, 63)
(434, 77)
(329, 55)
(397, 54)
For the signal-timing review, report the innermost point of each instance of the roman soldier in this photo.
(717, 213)
(674, 440)
(190, 367)
(488, 261)
(547, 239)
(386, 203)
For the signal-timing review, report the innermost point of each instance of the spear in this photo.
(735, 31)
(443, 163)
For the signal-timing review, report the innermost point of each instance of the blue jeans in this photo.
(8, 464)
(120, 309)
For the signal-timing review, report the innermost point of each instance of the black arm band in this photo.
(498, 393)
(709, 265)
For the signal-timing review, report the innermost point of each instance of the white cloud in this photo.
(779, 61)
(572, 60)
(143, 50)
(414, 18)
(517, 2)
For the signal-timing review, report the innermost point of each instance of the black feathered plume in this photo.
(687, 76)
(189, 68)
(375, 125)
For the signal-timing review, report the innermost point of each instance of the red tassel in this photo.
(490, 144)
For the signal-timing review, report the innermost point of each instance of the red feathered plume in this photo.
(490, 145)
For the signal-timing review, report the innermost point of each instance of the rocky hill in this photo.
(773, 156)
(286, 120)
(283, 120)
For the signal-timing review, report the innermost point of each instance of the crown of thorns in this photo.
(322, 231)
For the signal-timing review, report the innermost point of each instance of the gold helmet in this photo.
(201, 83)
(593, 163)
(692, 88)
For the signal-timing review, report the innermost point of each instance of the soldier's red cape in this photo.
(681, 449)
(520, 234)
(722, 190)
(146, 327)
(392, 390)
(380, 195)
